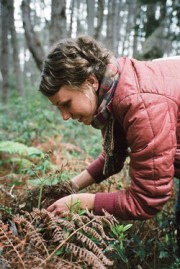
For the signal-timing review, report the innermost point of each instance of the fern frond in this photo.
(100, 229)
(54, 223)
(12, 147)
(34, 238)
(85, 255)
(79, 220)
(9, 242)
(94, 248)
(60, 263)
(110, 217)
(67, 224)
(95, 234)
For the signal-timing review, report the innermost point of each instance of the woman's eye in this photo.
(67, 104)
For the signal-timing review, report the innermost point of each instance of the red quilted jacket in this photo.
(147, 125)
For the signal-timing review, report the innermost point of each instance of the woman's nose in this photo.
(66, 115)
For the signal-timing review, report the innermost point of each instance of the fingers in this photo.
(55, 209)
(51, 208)
(59, 206)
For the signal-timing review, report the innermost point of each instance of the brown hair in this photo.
(71, 61)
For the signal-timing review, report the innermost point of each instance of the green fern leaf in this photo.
(12, 147)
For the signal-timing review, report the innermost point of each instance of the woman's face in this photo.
(77, 103)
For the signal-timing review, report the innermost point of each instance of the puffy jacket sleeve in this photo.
(149, 121)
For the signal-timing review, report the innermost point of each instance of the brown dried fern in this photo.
(44, 239)
(32, 235)
(92, 232)
(10, 242)
(85, 255)
(93, 247)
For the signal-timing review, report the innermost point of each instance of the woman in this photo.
(136, 106)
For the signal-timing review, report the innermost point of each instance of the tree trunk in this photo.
(155, 43)
(71, 20)
(131, 18)
(113, 25)
(78, 11)
(16, 63)
(58, 28)
(32, 40)
(100, 16)
(4, 50)
(116, 26)
(90, 16)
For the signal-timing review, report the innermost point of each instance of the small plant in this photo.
(119, 232)
(75, 207)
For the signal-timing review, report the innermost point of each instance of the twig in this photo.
(7, 193)
(11, 190)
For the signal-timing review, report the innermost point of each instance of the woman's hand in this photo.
(64, 204)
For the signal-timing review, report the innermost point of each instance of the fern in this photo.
(93, 247)
(85, 255)
(12, 147)
(43, 240)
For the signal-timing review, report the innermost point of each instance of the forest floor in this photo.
(147, 244)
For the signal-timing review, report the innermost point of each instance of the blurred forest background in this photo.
(144, 29)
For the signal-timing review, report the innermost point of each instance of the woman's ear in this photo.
(92, 80)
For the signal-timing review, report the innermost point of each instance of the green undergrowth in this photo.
(34, 118)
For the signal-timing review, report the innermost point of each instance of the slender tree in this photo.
(14, 41)
(72, 3)
(90, 16)
(113, 25)
(32, 39)
(99, 18)
(5, 49)
(58, 25)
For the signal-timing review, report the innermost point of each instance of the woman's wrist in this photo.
(81, 181)
(74, 186)
(87, 200)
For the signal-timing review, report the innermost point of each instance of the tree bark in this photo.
(58, 25)
(14, 41)
(71, 20)
(78, 11)
(155, 29)
(4, 50)
(90, 16)
(32, 40)
(113, 25)
(100, 17)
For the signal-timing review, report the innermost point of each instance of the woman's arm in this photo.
(82, 180)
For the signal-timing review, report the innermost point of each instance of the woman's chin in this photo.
(87, 121)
